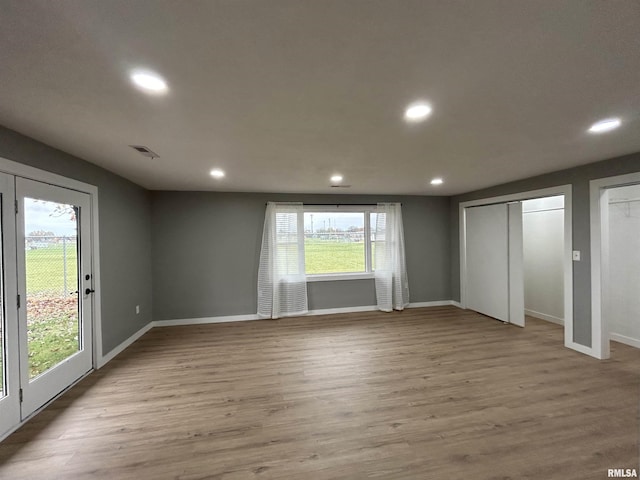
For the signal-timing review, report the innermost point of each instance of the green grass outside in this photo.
(51, 310)
(325, 256)
(45, 267)
(52, 315)
(51, 340)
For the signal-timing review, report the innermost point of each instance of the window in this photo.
(339, 241)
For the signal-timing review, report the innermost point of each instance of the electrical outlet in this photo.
(137, 309)
(576, 255)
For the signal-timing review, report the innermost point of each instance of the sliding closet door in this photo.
(487, 260)
(9, 368)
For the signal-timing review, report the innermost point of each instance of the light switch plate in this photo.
(576, 255)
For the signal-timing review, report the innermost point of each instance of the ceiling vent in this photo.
(340, 186)
(144, 151)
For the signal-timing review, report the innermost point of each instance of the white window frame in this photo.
(366, 209)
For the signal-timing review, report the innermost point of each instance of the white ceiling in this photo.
(282, 94)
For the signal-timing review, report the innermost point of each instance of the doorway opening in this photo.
(530, 300)
(615, 262)
(543, 250)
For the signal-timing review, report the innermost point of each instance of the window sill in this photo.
(332, 277)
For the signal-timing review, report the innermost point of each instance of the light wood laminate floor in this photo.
(432, 393)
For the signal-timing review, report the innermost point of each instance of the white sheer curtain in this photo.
(392, 284)
(282, 283)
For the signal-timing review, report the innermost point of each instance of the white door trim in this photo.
(515, 249)
(32, 173)
(10, 403)
(599, 206)
(568, 246)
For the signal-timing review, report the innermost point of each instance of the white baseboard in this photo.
(203, 320)
(632, 342)
(120, 348)
(246, 318)
(544, 316)
(437, 303)
(457, 304)
(321, 311)
(371, 308)
(331, 311)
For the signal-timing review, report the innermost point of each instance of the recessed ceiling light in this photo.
(437, 181)
(216, 173)
(605, 125)
(150, 82)
(417, 112)
(336, 178)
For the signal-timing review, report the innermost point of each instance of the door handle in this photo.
(88, 291)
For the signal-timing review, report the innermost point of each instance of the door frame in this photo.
(40, 389)
(32, 173)
(565, 190)
(11, 411)
(599, 207)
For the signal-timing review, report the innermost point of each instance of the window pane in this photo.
(51, 252)
(287, 242)
(334, 242)
(372, 226)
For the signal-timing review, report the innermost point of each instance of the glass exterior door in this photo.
(55, 288)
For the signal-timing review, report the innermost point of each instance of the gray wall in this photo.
(125, 234)
(579, 178)
(206, 249)
(201, 270)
